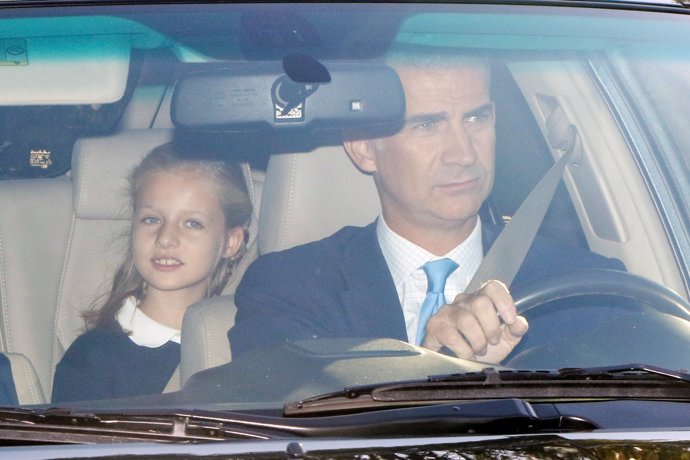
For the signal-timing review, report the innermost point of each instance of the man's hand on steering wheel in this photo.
(482, 326)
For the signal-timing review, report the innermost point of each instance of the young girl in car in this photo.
(189, 221)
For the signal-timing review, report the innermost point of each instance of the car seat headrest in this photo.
(101, 167)
(308, 196)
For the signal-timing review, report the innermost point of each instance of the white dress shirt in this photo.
(405, 260)
(144, 330)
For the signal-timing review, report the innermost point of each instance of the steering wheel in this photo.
(652, 326)
(601, 282)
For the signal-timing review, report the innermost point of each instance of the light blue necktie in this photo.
(437, 273)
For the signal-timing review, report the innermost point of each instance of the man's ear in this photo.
(234, 241)
(362, 153)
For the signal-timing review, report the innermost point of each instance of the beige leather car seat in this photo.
(34, 231)
(306, 197)
(60, 241)
(28, 387)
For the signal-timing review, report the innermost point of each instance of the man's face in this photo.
(438, 170)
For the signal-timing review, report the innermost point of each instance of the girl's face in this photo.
(179, 234)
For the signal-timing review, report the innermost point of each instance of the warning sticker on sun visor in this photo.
(13, 52)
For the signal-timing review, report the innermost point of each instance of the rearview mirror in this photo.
(262, 96)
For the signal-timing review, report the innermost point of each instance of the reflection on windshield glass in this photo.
(243, 206)
(537, 448)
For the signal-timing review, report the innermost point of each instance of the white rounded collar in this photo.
(142, 329)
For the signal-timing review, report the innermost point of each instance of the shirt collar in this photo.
(404, 257)
(142, 329)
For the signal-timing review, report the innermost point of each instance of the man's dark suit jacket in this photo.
(341, 287)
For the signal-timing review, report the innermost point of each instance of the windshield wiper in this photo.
(632, 381)
(624, 370)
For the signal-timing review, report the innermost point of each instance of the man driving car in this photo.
(377, 281)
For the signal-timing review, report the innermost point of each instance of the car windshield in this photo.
(239, 206)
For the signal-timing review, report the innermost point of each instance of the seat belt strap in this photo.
(502, 262)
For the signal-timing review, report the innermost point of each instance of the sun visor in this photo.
(300, 94)
(63, 70)
(72, 61)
